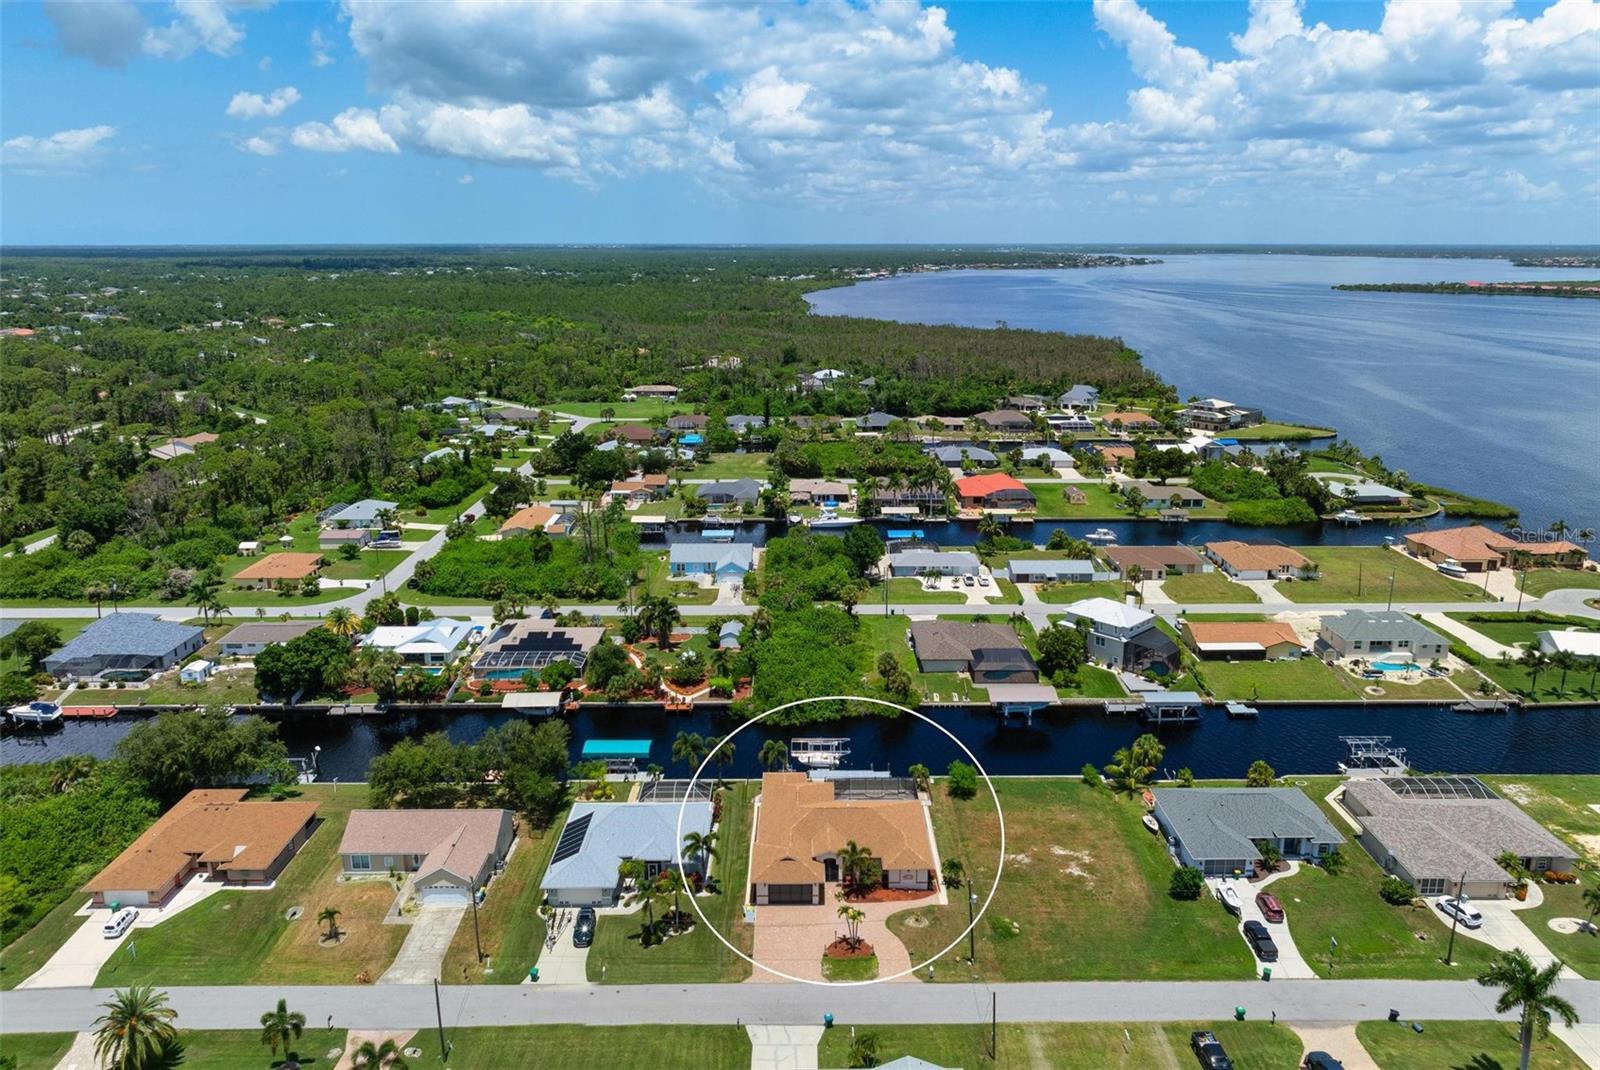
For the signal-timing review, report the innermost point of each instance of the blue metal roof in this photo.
(616, 748)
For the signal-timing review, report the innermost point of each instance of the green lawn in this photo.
(1084, 882)
(734, 466)
(513, 931)
(244, 937)
(1458, 1046)
(1375, 939)
(1579, 950)
(1304, 678)
(1562, 804)
(1361, 574)
(659, 581)
(227, 688)
(1069, 1045)
(1277, 432)
(1198, 587)
(1098, 504)
(66, 628)
(35, 1051)
(241, 1049)
(1541, 581)
(368, 565)
(445, 513)
(1517, 630)
(880, 634)
(696, 957)
(905, 590)
(703, 1047)
(843, 970)
(1060, 593)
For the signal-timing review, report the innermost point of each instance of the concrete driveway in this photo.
(564, 964)
(1338, 1041)
(1502, 929)
(784, 1047)
(1291, 965)
(422, 954)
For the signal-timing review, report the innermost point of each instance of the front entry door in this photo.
(830, 869)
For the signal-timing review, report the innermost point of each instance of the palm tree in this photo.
(96, 593)
(1559, 528)
(1564, 661)
(689, 747)
(645, 893)
(136, 1032)
(202, 594)
(721, 753)
(658, 614)
(385, 1056)
(852, 856)
(342, 621)
(852, 923)
(671, 884)
(329, 916)
(1591, 899)
(701, 845)
(774, 754)
(1527, 989)
(281, 1027)
(988, 526)
(1535, 662)
(952, 871)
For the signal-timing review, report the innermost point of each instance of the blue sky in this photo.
(219, 121)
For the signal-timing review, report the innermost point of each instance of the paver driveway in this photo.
(423, 952)
(791, 938)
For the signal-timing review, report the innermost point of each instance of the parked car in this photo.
(983, 581)
(1260, 941)
(119, 923)
(1271, 909)
(1209, 1052)
(968, 580)
(583, 931)
(1320, 1060)
(1465, 913)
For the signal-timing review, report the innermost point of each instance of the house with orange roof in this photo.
(1259, 560)
(287, 567)
(1114, 456)
(801, 826)
(210, 831)
(535, 517)
(1130, 421)
(1479, 549)
(1244, 640)
(994, 490)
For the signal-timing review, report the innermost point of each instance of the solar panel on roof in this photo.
(572, 837)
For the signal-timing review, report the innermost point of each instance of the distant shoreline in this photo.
(1578, 288)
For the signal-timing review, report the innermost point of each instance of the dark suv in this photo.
(1321, 1060)
(1260, 941)
(583, 931)
(1209, 1052)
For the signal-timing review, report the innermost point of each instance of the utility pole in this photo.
(1390, 605)
(477, 938)
(1455, 919)
(972, 929)
(994, 1025)
(438, 1010)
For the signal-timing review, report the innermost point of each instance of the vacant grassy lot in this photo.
(734, 466)
(1458, 1046)
(67, 629)
(1580, 683)
(704, 1047)
(35, 1051)
(1361, 574)
(1200, 587)
(244, 936)
(1271, 431)
(1375, 939)
(698, 956)
(1541, 581)
(1303, 678)
(1070, 1045)
(223, 687)
(1058, 593)
(445, 513)
(1562, 804)
(1517, 629)
(1084, 895)
(1098, 504)
(513, 932)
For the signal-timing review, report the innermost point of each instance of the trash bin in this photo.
(1394, 1015)
(1266, 973)
(1238, 1014)
(533, 973)
(827, 1021)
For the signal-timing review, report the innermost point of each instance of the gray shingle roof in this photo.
(363, 513)
(737, 489)
(143, 634)
(1224, 823)
(620, 831)
(1366, 625)
(955, 454)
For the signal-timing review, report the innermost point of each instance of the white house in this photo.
(1577, 641)
(1123, 635)
(431, 642)
(933, 562)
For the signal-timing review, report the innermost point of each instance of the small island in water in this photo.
(1568, 288)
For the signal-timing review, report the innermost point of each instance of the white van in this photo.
(119, 923)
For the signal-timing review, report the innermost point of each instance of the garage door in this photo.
(443, 895)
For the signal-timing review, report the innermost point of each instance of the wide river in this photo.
(1494, 395)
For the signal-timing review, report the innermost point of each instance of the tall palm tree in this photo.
(774, 754)
(202, 594)
(721, 753)
(1535, 662)
(1528, 990)
(329, 916)
(658, 614)
(702, 845)
(1591, 899)
(96, 593)
(852, 856)
(136, 1032)
(689, 747)
(373, 1056)
(1563, 661)
(343, 621)
(671, 884)
(645, 893)
(281, 1027)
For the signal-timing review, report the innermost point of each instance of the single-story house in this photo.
(875, 421)
(1356, 491)
(1432, 831)
(729, 492)
(1049, 570)
(638, 491)
(721, 561)
(210, 831)
(519, 646)
(125, 642)
(1058, 458)
(1157, 561)
(1025, 403)
(454, 402)
(663, 391)
(731, 635)
(451, 853)
(1219, 830)
(333, 538)
(1579, 642)
(430, 642)
(1361, 633)
(1214, 414)
(1163, 494)
(197, 671)
(818, 491)
(181, 447)
(1259, 560)
(1069, 422)
(1005, 420)
(1123, 635)
(933, 562)
(1113, 457)
(248, 640)
(996, 490)
(1081, 396)
(957, 456)
(362, 514)
(686, 421)
(269, 571)
(991, 653)
(744, 423)
(536, 517)
(599, 837)
(801, 827)
(939, 423)
(1130, 421)
(1480, 549)
(513, 414)
(635, 434)
(1245, 640)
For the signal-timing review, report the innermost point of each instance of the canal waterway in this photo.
(1298, 739)
(1498, 396)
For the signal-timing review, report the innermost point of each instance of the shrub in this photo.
(1333, 862)
(1187, 883)
(963, 780)
(1556, 876)
(1091, 775)
(1395, 891)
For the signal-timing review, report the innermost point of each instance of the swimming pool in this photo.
(1396, 666)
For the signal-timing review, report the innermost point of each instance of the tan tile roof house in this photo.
(801, 827)
(1245, 639)
(534, 517)
(210, 830)
(1480, 549)
(450, 851)
(275, 568)
(1156, 560)
(1258, 561)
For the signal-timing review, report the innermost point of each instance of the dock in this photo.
(1372, 756)
(1172, 708)
(1017, 703)
(820, 751)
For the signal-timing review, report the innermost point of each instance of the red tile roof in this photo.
(985, 485)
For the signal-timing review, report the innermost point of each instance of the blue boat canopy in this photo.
(906, 533)
(616, 748)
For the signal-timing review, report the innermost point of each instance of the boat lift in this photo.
(820, 752)
(1372, 756)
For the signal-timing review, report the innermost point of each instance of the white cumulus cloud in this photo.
(259, 145)
(66, 150)
(320, 56)
(350, 130)
(257, 106)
